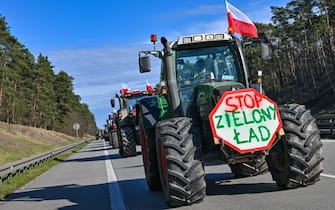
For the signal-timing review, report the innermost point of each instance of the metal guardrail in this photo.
(326, 124)
(21, 166)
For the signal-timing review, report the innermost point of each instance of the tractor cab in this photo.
(207, 111)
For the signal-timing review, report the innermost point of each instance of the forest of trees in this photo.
(302, 67)
(32, 94)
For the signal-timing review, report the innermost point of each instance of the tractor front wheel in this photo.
(296, 159)
(180, 161)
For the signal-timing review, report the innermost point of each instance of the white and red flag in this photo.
(149, 87)
(124, 89)
(239, 23)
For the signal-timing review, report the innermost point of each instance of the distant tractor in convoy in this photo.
(125, 119)
(112, 131)
(205, 110)
(105, 133)
(98, 134)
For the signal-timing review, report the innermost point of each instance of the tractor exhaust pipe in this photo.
(171, 80)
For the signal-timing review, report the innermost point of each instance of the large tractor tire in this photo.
(114, 140)
(296, 159)
(107, 139)
(180, 161)
(149, 155)
(254, 168)
(128, 141)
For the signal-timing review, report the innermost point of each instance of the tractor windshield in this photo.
(219, 63)
(132, 102)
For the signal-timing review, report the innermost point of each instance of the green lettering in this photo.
(227, 120)
(259, 118)
(236, 137)
(265, 133)
(219, 123)
(273, 108)
(266, 114)
(246, 119)
(236, 119)
(252, 135)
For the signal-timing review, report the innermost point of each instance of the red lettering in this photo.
(258, 99)
(231, 105)
(239, 97)
(249, 101)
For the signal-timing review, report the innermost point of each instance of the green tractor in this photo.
(207, 110)
(124, 120)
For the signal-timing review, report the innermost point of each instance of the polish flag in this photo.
(239, 22)
(149, 87)
(124, 89)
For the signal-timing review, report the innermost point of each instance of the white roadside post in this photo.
(76, 127)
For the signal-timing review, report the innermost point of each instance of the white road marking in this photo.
(328, 140)
(116, 200)
(328, 175)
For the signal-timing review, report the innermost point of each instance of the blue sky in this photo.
(97, 41)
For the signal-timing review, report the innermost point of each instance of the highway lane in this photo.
(80, 182)
(98, 178)
(226, 192)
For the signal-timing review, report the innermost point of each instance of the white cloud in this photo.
(99, 72)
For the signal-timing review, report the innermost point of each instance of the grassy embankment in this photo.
(18, 142)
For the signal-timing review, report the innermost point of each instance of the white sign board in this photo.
(245, 120)
(76, 126)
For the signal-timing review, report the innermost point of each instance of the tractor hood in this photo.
(206, 95)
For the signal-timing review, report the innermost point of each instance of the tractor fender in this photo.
(148, 107)
(124, 118)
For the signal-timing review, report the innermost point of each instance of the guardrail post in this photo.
(12, 169)
(331, 121)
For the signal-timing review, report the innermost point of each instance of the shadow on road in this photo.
(93, 150)
(82, 197)
(96, 158)
(138, 196)
(225, 184)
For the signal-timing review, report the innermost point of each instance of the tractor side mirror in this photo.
(266, 52)
(112, 102)
(145, 64)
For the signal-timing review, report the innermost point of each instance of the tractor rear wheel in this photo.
(128, 141)
(180, 161)
(149, 155)
(296, 159)
(254, 168)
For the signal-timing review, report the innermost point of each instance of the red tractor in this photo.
(125, 119)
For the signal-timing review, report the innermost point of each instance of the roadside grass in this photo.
(11, 184)
(18, 142)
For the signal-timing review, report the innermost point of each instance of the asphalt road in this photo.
(98, 178)
(80, 182)
(226, 192)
